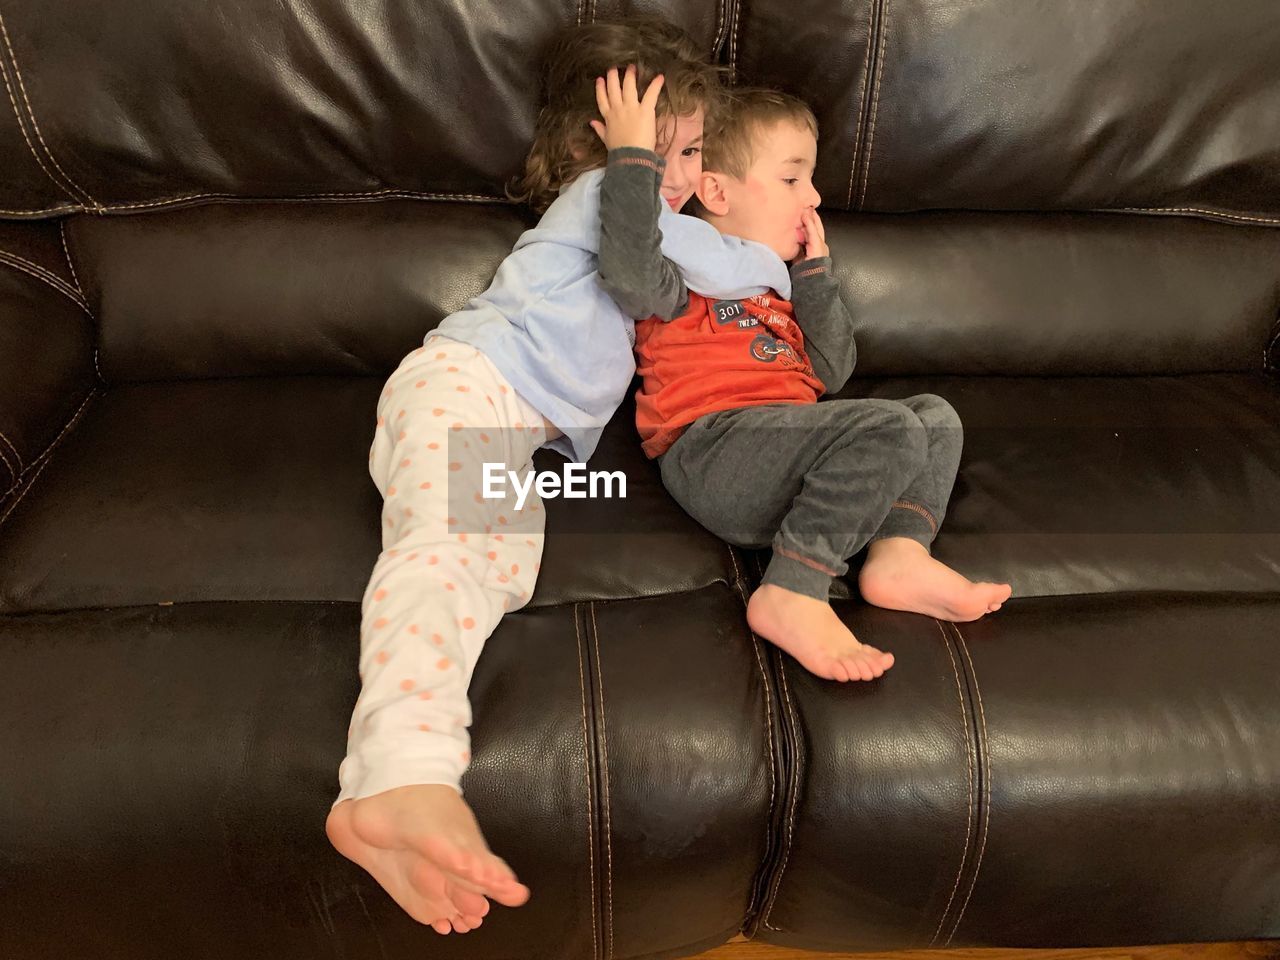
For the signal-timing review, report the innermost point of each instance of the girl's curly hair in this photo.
(564, 144)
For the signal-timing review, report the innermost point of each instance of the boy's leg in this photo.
(899, 572)
(815, 481)
(440, 586)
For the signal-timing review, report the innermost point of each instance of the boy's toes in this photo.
(470, 904)
(441, 926)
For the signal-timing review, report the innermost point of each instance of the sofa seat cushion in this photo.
(1069, 771)
(1110, 484)
(171, 769)
(258, 489)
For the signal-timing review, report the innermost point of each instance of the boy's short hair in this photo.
(731, 147)
(572, 62)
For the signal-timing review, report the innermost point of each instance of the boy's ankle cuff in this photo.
(792, 572)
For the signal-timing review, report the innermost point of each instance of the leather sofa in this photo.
(222, 226)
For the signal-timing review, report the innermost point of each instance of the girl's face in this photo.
(680, 142)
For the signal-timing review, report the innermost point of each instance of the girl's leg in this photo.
(444, 579)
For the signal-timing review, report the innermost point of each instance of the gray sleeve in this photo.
(633, 271)
(824, 321)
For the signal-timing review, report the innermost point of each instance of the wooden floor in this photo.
(739, 949)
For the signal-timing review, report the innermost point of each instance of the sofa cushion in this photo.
(1110, 484)
(171, 768)
(259, 489)
(1083, 771)
(1030, 106)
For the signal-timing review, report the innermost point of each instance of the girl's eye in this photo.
(690, 151)
(792, 181)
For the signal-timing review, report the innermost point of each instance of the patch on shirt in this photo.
(732, 311)
(766, 348)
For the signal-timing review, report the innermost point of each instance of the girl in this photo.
(542, 357)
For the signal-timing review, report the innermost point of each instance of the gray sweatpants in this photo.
(818, 481)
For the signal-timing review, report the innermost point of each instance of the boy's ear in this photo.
(711, 193)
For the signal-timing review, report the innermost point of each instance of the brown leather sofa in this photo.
(223, 225)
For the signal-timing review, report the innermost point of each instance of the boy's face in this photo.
(680, 142)
(767, 206)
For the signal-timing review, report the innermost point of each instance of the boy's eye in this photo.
(690, 151)
(793, 180)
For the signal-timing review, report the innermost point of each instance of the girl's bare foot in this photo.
(899, 574)
(423, 846)
(810, 631)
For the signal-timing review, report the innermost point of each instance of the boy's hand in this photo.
(815, 244)
(628, 121)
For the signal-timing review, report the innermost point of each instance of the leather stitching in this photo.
(795, 802)
(42, 461)
(353, 197)
(862, 107)
(604, 783)
(1199, 210)
(14, 450)
(968, 756)
(733, 41)
(13, 471)
(586, 748)
(43, 276)
(986, 802)
(66, 252)
(35, 125)
(768, 715)
(875, 107)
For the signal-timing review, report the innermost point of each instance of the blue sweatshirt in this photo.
(560, 340)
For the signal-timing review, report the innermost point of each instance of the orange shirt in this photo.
(718, 355)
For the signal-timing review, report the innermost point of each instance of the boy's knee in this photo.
(904, 433)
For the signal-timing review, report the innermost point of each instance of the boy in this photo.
(729, 401)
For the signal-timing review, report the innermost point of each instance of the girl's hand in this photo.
(628, 121)
(815, 244)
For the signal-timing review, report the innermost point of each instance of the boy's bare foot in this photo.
(423, 845)
(899, 574)
(810, 631)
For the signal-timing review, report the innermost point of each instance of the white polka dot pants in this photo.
(453, 562)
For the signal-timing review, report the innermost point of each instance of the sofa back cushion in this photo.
(331, 288)
(1018, 105)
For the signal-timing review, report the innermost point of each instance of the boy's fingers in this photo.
(629, 84)
(598, 127)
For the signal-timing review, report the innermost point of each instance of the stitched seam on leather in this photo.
(968, 756)
(13, 471)
(1199, 210)
(604, 783)
(35, 125)
(862, 105)
(41, 461)
(1270, 362)
(986, 791)
(875, 107)
(721, 20)
(66, 252)
(43, 276)
(768, 716)
(352, 197)
(23, 127)
(795, 800)
(586, 755)
(733, 41)
(97, 329)
(12, 449)
(737, 574)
